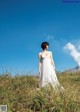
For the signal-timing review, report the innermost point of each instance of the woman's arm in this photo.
(39, 65)
(52, 61)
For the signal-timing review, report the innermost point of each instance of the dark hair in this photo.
(43, 45)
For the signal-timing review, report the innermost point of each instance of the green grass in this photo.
(19, 93)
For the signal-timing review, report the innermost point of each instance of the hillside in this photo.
(73, 70)
(19, 93)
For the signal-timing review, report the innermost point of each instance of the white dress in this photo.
(47, 72)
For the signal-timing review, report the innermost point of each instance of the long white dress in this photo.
(47, 73)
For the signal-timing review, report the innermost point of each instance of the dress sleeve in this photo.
(39, 56)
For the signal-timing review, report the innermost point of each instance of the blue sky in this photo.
(24, 24)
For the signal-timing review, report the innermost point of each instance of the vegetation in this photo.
(20, 94)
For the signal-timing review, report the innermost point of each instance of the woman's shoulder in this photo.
(47, 51)
(39, 53)
(50, 52)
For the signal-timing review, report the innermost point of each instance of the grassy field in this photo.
(19, 93)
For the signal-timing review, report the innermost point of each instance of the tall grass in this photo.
(19, 93)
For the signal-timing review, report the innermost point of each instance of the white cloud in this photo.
(78, 47)
(73, 52)
(76, 42)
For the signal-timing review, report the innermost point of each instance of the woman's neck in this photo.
(45, 50)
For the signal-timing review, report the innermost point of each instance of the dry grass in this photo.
(19, 93)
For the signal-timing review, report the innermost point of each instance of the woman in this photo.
(47, 72)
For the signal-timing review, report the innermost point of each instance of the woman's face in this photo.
(46, 46)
